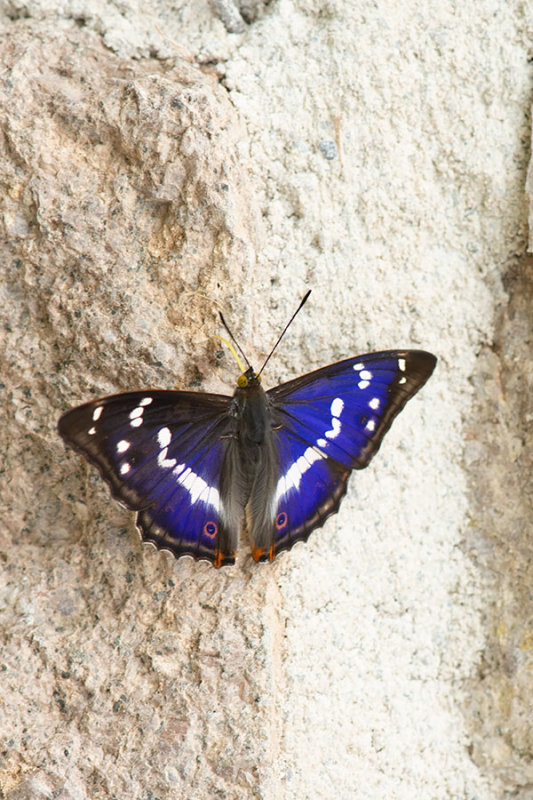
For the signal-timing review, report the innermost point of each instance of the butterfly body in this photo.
(198, 467)
(249, 469)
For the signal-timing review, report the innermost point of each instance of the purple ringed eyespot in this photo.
(281, 520)
(211, 529)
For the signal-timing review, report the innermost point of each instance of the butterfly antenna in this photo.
(235, 342)
(284, 331)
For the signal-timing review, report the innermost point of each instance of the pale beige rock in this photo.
(499, 449)
(125, 211)
(383, 149)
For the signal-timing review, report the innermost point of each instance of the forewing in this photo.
(345, 409)
(329, 422)
(161, 454)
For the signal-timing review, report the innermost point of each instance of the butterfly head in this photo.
(248, 379)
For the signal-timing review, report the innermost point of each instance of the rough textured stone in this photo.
(499, 455)
(383, 150)
(125, 210)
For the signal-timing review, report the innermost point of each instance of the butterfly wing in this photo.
(327, 423)
(161, 454)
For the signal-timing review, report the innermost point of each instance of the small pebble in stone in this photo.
(328, 148)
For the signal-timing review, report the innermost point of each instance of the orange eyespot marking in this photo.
(217, 562)
(211, 529)
(242, 381)
(281, 520)
(272, 553)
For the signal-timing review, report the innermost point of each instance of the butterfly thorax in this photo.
(252, 411)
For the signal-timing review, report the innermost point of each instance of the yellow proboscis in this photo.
(233, 352)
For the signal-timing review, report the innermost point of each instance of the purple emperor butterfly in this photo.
(197, 467)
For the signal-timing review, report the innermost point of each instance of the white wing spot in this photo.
(91, 431)
(123, 445)
(403, 380)
(124, 468)
(146, 401)
(293, 476)
(335, 429)
(363, 384)
(366, 375)
(163, 461)
(198, 489)
(370, 425)
(336, 407)
(374, 403)
(209, 496)
(359, 366)
(401, 364)
(97, 413)
(164, 437)
(136, 422)
(137, 412)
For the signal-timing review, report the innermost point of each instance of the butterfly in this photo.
(197, 466)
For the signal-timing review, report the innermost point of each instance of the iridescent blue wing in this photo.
(161, 454)
(327, 423)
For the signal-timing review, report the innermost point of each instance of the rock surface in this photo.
(156, 168)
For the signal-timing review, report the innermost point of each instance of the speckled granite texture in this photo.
(154, 169)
